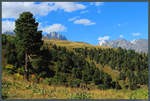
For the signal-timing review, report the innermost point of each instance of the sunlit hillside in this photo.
(74, 70)
(32, 90)
(71, 44)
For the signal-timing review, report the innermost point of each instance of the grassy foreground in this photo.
(14, 87)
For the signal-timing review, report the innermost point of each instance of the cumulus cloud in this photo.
(121, 36)
(82, 12)
(136, 34)
(74, 18)
(97, 3)
(103, 38)
(8, 26)
(85, 22)
(54, 28)
(69, 6)
(41, 9)
(9, 11)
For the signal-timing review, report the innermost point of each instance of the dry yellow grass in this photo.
(71, 44)
(14, 88)
(114, 73)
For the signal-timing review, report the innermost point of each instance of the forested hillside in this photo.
(78, 66)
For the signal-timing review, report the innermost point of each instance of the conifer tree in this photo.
(28, 38)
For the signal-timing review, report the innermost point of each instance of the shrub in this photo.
(4, 95)
(75, 83)
(117, 86)
(9, 66)
(102, 87)
(10, 69)
(47, 81)
(20, 70)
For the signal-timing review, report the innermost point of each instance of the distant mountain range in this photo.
(51, 35)
(54, 35)
(140, 45)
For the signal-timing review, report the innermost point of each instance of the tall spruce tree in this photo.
(28, 38)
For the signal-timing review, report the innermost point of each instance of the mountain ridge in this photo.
(139, 45)
(54, 35)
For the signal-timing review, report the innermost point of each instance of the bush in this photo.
(117, 86)
(18, 76)
(10, 69)
(4, 95)
(60, 79)
(9, 66)
(75, 83)
(47, 81)
(102, 87)
(20, 70)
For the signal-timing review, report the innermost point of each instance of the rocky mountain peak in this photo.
(140, 45)
(54, 35)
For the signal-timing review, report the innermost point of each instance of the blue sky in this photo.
(89, 22)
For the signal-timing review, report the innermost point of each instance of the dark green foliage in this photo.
(122, 76)
(64, 67)
(102, 87)
(61, 66)
(27, 35)
(129, 63)
(75, 83)
(117, 86)
(28, 40)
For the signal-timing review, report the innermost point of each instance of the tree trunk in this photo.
(26, 75)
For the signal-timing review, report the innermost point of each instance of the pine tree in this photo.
(28, 37)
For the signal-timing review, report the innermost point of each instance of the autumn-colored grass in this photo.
(16, 88)
(71, 44)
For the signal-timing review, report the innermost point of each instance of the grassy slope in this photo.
(15, 88)
(70, 45)
(29, 90)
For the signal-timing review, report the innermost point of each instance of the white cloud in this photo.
(13, 9)
(121, 36)
(103, 38)
(54, 28)
(69, 6)
(8, 26)
(85, 22)
(40, 25)
(82, 12)
(97, 3)
(9, 11)
(74, 18)
(136, 34)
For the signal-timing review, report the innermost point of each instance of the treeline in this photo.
(61, 66)
(27, 54)
(58, 66)
(133, 67)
